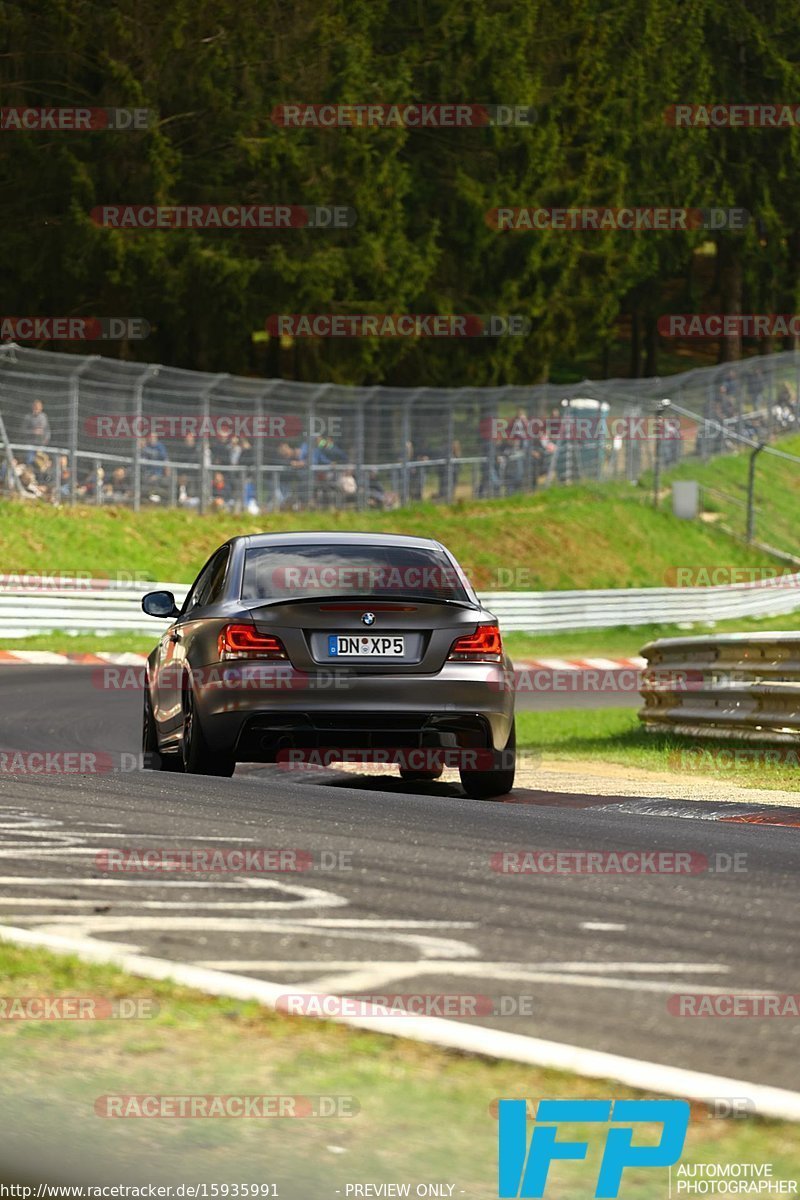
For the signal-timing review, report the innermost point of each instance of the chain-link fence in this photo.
(99, 431)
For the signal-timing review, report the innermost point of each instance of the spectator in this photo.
(42, 467)
(118, 488)
(90, 475)
(287, 481)
(377, 495)
(65, 485)
(153, 457)
(319, 455)
(221, 448)
(416, 475)
(36, 429)
(190, 452)
(220, 490)
(334, 453)
(28, 482)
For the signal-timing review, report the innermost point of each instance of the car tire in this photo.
(499, 779)
(152, 758)
(197, 757)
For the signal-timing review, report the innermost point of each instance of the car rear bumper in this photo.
(261, 712)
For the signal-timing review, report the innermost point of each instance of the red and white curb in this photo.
(51, 658)
(581, 664)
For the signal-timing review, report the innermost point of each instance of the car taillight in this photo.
(484, 645)
(244, 641)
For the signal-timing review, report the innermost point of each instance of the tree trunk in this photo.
(792, 340)
(730, 289)
(650, 345)
(635, 368)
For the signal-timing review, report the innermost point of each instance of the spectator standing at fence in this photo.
(154, 453)
(220, 491)
(117, 489)
(36, 428)
(153, 458)
(319, 454)
(191, 452)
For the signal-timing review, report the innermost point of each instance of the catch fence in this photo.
(122, 433)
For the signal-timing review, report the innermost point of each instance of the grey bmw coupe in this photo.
(314, 648)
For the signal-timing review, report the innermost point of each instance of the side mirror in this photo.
(160, 604)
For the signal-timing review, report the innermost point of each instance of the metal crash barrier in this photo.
(736, 685)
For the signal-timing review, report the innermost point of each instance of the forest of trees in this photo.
(600, 76)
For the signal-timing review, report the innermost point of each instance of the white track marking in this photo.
(378, 974)
(297, 895)
(173, 880)
(473, 968)
(158, 905)
(427, 945)
(602, 926)
(456, 1035)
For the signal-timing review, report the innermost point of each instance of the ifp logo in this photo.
(522, 1170)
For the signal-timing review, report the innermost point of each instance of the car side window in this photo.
(198, 587)
(217, 577)
(208, 583)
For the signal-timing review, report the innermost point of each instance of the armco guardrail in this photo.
(108, 607)
(736, 685)
(90, 606)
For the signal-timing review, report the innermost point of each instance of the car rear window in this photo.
(273, 573)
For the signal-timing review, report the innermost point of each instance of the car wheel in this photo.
(409, 775)
(198, 758)
(499, 779)
(152, 758)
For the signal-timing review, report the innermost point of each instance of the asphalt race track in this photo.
(402, 896)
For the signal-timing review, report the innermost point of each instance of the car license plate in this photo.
(356, 645)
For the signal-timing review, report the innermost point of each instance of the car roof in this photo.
(329, 538)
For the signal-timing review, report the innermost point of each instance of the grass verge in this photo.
(593, 536)
(615, 735)
(424, 1113)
